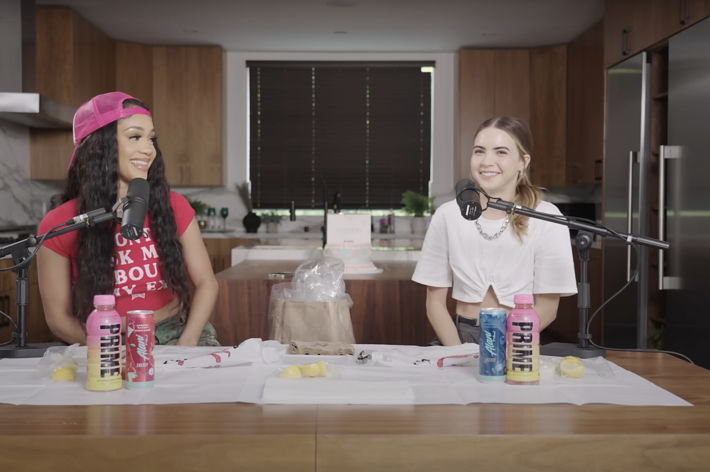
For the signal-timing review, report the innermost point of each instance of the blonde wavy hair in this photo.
(526, 194)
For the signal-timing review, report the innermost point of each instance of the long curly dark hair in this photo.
(93, 179)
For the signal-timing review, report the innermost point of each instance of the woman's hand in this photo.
(54, 274)
(187, 341)
(439, 316)
(199, 269)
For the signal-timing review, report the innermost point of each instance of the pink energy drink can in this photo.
(140, 342)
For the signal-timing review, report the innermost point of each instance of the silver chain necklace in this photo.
(494, 236)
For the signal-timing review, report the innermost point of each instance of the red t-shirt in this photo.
(138, 280)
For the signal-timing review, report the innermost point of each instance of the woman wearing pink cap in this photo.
(115, 143)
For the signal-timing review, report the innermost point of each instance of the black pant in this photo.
(468, 329)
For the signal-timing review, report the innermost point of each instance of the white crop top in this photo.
(454, 251)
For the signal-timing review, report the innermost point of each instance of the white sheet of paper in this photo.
(349, 229)
(388, 381)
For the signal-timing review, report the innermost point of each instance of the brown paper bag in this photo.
(310, 321)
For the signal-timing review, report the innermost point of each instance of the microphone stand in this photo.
(22, 259)
(583, 241)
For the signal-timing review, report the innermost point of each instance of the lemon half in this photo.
(326, 370)
(572, 367)
(64, 374)
(291, 372)
(311, 370)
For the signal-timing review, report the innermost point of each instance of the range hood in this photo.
(19, 102)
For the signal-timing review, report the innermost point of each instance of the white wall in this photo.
(236, 120)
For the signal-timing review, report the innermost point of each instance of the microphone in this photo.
(135, 209)
(468, 199)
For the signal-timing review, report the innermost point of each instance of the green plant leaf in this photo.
(415, 204)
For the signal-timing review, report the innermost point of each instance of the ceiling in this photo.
(316, 26)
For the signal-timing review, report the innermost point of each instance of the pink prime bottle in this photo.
(103, 340)
(523, 343)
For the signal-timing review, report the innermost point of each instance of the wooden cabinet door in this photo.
(491, 83)
(692, 11)
(648, 22)
(187, 96)
(672, 16)
(512, 83)
(476, 100)
(204, 116)
(585, 107)
(75, 61)
(629, 28)
(171, 111)
(548, 110)
(134, 71)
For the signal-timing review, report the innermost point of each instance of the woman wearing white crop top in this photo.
(489, 260)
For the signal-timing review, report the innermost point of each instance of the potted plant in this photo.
(251, 221)
(200, 208)
(417, 205)
(272, 220)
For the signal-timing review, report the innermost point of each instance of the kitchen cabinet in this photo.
(585, 108)
(187, 105)
(134, 71)
(75, 61)
(181, 85)
(220, 251)
(491, 83)
(527, 84)
(548, 107)
(630, 26)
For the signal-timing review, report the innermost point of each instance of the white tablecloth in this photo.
(249, 374)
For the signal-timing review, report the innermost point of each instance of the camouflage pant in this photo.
(167, 332)
(467, 332)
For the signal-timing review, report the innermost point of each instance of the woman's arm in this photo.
(439, 316)
(54, 274)
(546, 306)
(200, 272)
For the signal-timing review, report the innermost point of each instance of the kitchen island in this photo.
(388, 308)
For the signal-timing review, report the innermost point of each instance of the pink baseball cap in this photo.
(100, 111)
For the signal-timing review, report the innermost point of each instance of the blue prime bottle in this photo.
(492, 354)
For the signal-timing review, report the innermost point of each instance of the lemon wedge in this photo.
(64, 374)
(571, 367)
(311, 370)
(326, 370)
(572, 359)
(291, 372)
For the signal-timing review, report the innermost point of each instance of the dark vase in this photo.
(252, 222)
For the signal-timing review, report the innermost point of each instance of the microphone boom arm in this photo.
(583, 242)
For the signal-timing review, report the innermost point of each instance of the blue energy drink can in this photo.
(492, 354)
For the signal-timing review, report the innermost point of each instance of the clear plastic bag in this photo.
(316, 280)
(56, 357)
(314, 306)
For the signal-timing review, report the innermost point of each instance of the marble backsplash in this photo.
(23, 202)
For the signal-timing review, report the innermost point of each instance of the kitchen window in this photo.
(364, 127)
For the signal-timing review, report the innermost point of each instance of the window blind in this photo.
(364, 127)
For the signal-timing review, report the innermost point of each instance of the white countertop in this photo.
(241, 234)
(303, 253)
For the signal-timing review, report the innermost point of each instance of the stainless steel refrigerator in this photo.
(684, 196)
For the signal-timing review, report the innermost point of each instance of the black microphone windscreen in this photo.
(468, 199)
(135, 209)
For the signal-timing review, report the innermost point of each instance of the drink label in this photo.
(140, 342)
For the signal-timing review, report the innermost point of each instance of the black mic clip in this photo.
(470, 205)
(91, 218)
